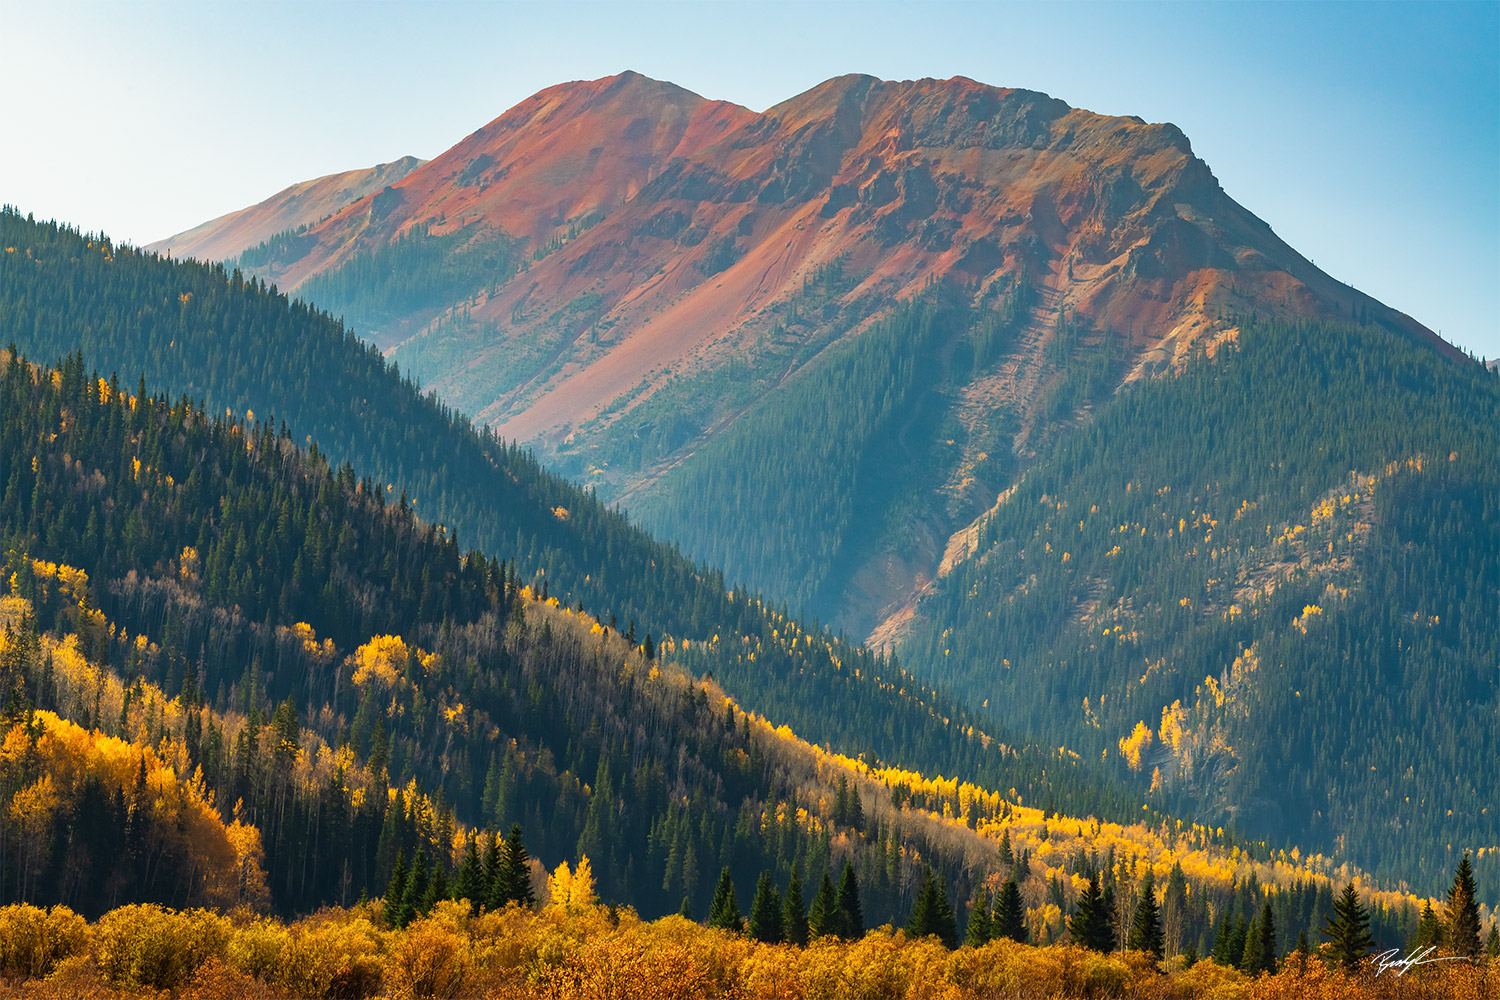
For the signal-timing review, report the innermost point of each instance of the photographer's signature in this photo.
(1391, 960)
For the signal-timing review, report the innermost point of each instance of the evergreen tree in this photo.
(1303, 951)
(1145, 930)
(795, 920)
(1348, 929)
(1010, 914)
(851, 917)
(1463, 912)
(932, 914)
(1090, 924)
(979, 932)
(1492, 943)
(395, 890)
(514, 875)
(1250, 959)
(686, 910)
(765, 912)
(1430, 931)
(416, 889)
(824, 917)
(724, 913)
(1267, 939)
(470, 876)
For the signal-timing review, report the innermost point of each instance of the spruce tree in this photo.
(1348, 929)
(466, 884)
(922, 922)
(724, 913)
(794, 922)
(1463, 912)
(851, 912)
(416, 889)
(1145, 930)
(491, 889)
(1492, 943)
(978, 932)
(1250, 960)
(1430, 931)
(395, 889)
(1010, 914)
(824, 918)
(1090, 925)
(514, 875)
(1267, 962)
(765, 912)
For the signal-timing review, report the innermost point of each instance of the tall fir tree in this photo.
(1348, 929)
(724, 913)
(1463, 912)
(766, 922)
(1090, 925)
(823, 919)
(794, 920)
(1145, 930)
(514, 875)
(851, 911)
(978, 932)
(1010, 913)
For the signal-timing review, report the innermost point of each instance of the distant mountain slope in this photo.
(624, 273)
(1267, 587)
(286, 211)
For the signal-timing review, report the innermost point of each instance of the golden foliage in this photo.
(148, 947)
(33, 941)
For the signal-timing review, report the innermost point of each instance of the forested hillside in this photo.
(1267, 587)
(353, 690)
(242, 350)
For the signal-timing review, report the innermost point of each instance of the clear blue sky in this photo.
(1366, 134)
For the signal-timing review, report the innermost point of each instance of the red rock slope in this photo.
(299, 205)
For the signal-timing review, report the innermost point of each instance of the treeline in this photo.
(1229, 579)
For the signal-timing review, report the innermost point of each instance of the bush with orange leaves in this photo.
(560, 953)
(33, 941)
(334, 953)
(149, 947)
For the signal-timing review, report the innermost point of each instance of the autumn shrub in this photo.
(147, 946)
(33, 941)
(428, 960)
(255, 949)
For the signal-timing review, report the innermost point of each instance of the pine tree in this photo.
(416, 889)
(1251, 959)
(851, 913)
(765, 912)
(1492, 944)
(1010, 914)
(824, 918)
(1348, 929)
(470, 874)
(1145, 930)
(686, 910)
(1463, 912)
(514, 875)
(1267, 962)
(1090, 925)
(1303, 951)
(724, 913)
(795, 920)
(1430, 931)
(978, 932)
(395, 889)
(932, 914)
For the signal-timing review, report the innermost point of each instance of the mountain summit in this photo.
(623, 272)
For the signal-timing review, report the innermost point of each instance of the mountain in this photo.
(916, 357)
(287, 211)
(625, 273)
